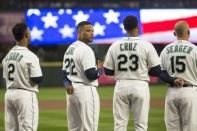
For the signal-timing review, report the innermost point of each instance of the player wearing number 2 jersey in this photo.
(22, 72)
(129, 59)
(179, 59)
(80, 80)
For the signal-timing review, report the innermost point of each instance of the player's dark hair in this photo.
(19, 31)
(81, 24)
(130, 22)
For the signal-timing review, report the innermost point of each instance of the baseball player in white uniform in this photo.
(80, 80)
(129, 59)
(22, 73)
(179, 59)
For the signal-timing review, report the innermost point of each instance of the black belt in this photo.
(18, 88)
(185, 85)
(188, 85)
(79, 82)
(83, 83)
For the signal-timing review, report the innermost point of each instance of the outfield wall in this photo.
(52, 72)
(1, 77)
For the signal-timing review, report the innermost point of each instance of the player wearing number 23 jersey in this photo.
(129, 59)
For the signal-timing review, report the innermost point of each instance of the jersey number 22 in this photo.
(70, 67)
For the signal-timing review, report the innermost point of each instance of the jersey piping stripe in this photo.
(33, 113)
(93, 110)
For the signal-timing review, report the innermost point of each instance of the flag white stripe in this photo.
(167, 36)
(156, 15)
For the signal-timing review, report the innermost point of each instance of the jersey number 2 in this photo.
(70, 64)
(123, 61)
(11, 69)
(178, 64)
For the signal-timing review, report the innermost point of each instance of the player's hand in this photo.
(69, 89)
(100, 64)
(178, 82)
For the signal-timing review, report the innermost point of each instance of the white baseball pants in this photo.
(131, 95)
(181, 109)
(83, 107)
(21, 110)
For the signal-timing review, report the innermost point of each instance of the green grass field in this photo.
(55, 120)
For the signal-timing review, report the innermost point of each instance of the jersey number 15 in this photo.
(178, 64)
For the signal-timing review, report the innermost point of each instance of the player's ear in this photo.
(174, 33)
(26, 35)
(188, 32)
(137, 27)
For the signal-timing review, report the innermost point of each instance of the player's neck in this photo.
(132, 34)
(20, 43)
(84, 41)
(182, 38)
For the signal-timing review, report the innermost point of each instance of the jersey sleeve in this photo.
(153, 58)
(88, 59)
(109, 62)
(63, 64)
(34, 68)
(162, 60)
(4, 74)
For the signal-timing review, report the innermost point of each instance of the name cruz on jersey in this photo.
(128, 46)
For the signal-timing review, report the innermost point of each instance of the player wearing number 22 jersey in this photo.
(129, 59)
(80, 80)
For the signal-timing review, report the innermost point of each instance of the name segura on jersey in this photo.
(18, 66)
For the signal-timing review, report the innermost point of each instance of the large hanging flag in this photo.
(58, 26)
(158, 24)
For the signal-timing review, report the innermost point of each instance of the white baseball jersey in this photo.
(179, 59)
(78, 58)
(18, 66)
(130, 57)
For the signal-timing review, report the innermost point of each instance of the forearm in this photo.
(37, 80)
(93, 73)
(66, 81)
(108, 72)
(162, 74)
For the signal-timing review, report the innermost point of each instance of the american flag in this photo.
(58, 26)
(158, 24)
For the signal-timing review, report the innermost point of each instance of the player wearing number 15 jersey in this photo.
(179, 59)
(129, 59)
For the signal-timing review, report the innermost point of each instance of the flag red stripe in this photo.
(167, 24)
